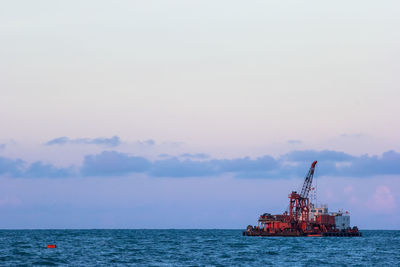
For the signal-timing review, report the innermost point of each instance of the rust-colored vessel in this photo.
(304, 218)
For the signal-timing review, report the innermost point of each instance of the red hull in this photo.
(298, 233)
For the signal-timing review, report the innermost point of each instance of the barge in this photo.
(304, 218)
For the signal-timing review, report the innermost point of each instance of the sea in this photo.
(193, 248)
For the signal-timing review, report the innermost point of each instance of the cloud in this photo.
(357, 135)
(149, 142)
(292, 164)
(311, 155)
(348, 189)
(102, 141)
(195, 156)
(265, 163)
(294, 142)
(113, 163)
(12, 167)
(19, 168)
(388, 163)
(39, 169)
(2, 146)
(341, 164)
(382, 200)
(173, 144)
(111, 142)
(174, 167)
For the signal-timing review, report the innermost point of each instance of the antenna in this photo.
(315, 190)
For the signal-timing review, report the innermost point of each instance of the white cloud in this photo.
(348, 189)
(382, 201)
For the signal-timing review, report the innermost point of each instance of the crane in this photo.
(299, 203)
(308, 181)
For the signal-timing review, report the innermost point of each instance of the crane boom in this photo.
(308, 181)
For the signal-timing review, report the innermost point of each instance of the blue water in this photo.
(193, 248)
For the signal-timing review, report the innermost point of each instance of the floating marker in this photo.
(51, 246)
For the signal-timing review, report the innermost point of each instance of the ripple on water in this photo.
(193, 248)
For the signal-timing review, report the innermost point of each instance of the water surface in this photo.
(193, 248)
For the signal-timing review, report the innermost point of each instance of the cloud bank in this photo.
(293, 164)
(111, 142)
(37, 169)
(294, 142)
(111, 163)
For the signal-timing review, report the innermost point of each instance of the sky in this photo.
(204, 113)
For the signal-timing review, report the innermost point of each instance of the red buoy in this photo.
(51, 246)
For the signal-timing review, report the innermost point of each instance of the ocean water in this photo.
(193, 248)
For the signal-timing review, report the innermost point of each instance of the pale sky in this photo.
(228, 79)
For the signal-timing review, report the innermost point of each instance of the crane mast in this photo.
(308, 181)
